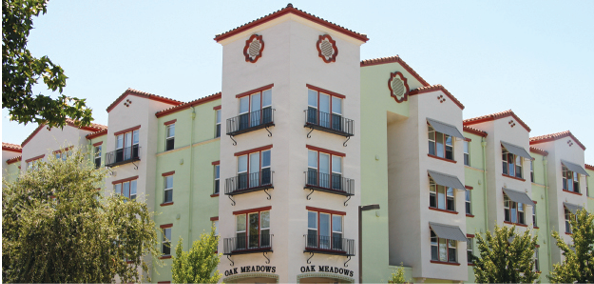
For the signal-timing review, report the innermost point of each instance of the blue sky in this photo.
(534, 57)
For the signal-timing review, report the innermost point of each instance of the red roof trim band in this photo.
(433, 88)
(493, 116)
(394, 59)
(538, 151)
(14, 160)
(474, 131)
(142, 94)
(290, 10)
(96, 134)
(188, 105)
(590, 167)
(555, 136)
(12, 147)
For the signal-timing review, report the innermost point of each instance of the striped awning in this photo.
(448, 232)
(446, 180)
(445, 128)
(517, 150)
(575, 168)
(518, 196)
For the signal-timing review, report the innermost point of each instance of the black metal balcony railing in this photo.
(250, 121)
(122, 156)
(242, 244)
(245, 182)
(332, 123)
(332, 183)
(331, 245)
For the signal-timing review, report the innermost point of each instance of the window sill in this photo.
(446, 263)
(167, 203)
(443, 210)
(129, 261)
(165, 257)
(469, 215)
(440, 158)
(572, 192)
(517, 178)
(535, 227)
(517, 224)
(214, 195)
(470, 264)
(569, 234)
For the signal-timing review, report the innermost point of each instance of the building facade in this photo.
(301, 136)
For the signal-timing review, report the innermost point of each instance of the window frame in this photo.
(250, 106)
(532, 171)
(333, 98)
(446, 197)
(332, 157)
(568, 214)
(245, 214)
(534, 216)
(448, 249)
(330, 246)
(169, 136)
(467, 152)
(166, 177)
(217, 178)
(520, 211)
(32, 163)
(468, 202)
(470, 250)
(218, 119)
(574, 181)
(434, 149)
(263, 179)
(119, 187)
(97, 153)
(125, 144)
(514, 161)
(166, 240)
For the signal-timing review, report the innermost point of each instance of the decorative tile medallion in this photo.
(253, 48)
(398, 87)
(327, 48)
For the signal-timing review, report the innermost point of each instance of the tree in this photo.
(398, 275)
(198, 264)
(21, 71)
(57, 227)
(505, 257)
(578, 265)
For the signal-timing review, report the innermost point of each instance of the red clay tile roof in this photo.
(555, 136)
(93, 127)
(494, 116)
(474, 131)
(187, 105)
(96, 134)
(297, 12)
(437, 87)
(590, 167)
(142, 94)
(538, 151)
(394, 59)
(14, 160)
(12, 147)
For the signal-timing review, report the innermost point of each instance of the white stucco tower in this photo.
(291, 94)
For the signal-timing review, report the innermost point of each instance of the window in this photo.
(466, 153)
(218, 123)
(166, 243)
(534, 224)
(63, 154)
(512, 164)
(514, 211)
(531, 171)
(127, 189)
(253, 230)
(324, 109)
(168, 197)
(441, 197)
(253, 169)
(216, 226)
(443, 250)
(440, 145)
(324, 230)
(324, 169)
(98, 156)
(571, 181)
(170, 137)
(127, 146)
(255, 109)
(469, 251)
(217, 179)
(568, 221)
(468, 202)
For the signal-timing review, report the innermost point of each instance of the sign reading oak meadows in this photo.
(326, 268)
(253, 268)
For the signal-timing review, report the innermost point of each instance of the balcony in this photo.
(122, 156)
(331, 183)
(248, 182)
(250, 121)
(331, 123)
(329, 245)
(242, 244)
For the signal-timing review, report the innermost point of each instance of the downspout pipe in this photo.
(191, 187)
(546, 186)
(484, 147)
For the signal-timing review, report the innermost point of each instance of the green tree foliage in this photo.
(21, 71)
(398, 275)
(197, 265)
(57, 227)
(505, 257)
(578, 265)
